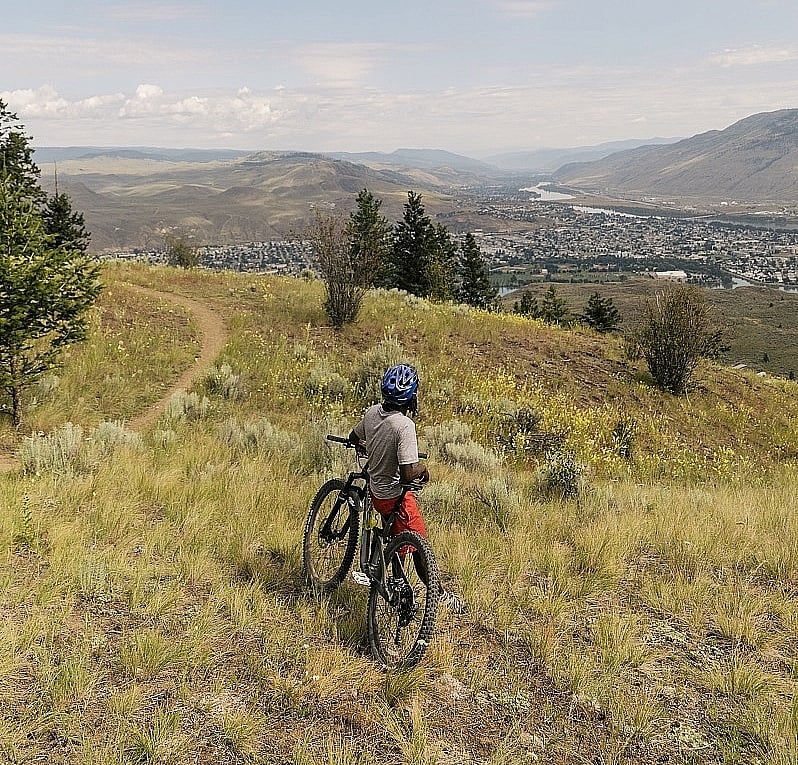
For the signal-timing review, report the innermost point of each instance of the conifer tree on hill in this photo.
(423, 255)
(475, 287)
(370, 238)
(553, 308)
(442, 264)
(48, 282)
(527, 306)
(413, 236)
(600, 313)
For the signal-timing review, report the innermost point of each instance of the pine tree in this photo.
(413, 242)
(600, 313)
(65, 225)
(442, 264)
(528, 305)
(48, 282)
(16, 157)
(475, 287)
(554, 309)
(370, 235)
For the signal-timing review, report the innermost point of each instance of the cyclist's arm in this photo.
(355, 439)
(414, 472)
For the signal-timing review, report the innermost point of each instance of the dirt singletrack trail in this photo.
(213, 335)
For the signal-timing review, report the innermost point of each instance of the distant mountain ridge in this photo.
(130, 198)
(549, 160)
(755, 159)
(63, 153)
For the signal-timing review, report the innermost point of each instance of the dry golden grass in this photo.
(152, 598)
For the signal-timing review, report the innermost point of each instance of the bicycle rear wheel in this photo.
(329, 540)
(401, 627)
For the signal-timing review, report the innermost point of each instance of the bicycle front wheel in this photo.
(330, 538)
(400, 627)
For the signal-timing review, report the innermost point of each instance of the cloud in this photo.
(346, 64)
(571, 106)
(146, 12)
(83, 53)
(754, 55)
(524, 9)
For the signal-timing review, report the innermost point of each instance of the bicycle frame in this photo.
(396, 564)
(372, 535)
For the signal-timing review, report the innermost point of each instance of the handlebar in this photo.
(349, 445)
(340, 440)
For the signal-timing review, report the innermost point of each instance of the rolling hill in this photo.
(755, 159)
(130, 197)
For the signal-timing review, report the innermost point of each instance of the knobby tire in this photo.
(326, 563)
(394, 646)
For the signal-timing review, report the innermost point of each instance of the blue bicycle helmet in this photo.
(399, 385)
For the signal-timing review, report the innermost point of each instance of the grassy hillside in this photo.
(152, 594)
(760, 324)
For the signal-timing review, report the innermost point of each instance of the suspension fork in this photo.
(344, 497)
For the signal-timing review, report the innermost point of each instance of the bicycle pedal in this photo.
(361, 578)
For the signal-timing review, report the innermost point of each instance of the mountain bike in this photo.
(399, 569)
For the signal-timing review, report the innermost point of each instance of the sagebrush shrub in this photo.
(57, 452)
(502, 502)
(65, 450)
(451, 441)
(450, 432)
(562, 475)
(185, 406)
(46, 386)
(254, 435)
(471, 456)
(222, 381)
(324, 383)
(367, 376)
(107, 436)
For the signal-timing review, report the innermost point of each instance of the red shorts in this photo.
(409, 515)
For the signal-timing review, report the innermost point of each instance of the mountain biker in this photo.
(389, 437)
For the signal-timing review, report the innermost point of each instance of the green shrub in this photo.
(675, 333)
(624, 434)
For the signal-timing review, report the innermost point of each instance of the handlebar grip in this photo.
(338, 439)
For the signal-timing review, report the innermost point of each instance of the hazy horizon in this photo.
(475, 77)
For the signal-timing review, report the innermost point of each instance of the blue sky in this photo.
(474, 76)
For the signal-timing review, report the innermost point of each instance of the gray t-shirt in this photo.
(390, 440)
